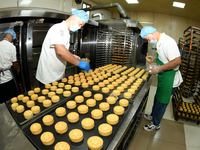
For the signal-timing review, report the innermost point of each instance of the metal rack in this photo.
(114, 46)
(190, 56)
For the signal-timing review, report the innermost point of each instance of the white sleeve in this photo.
(171, 49)
(14, 54)
(56, 36)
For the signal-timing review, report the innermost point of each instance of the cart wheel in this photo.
(176, 118)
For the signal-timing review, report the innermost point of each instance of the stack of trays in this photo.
(190, 56)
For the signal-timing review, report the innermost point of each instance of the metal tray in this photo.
(35, 139)
(19, 117)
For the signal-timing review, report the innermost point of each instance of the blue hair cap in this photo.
(81, 14)
(11, 31)
(146, 31)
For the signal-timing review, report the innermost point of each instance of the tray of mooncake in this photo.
(89, 119)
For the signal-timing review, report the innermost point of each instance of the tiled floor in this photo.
(173, 135)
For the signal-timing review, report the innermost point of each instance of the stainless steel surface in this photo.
(120, 8)
(127, 120)
(12, 138)
(100, 15)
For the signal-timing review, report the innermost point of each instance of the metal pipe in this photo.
(120, 8)
(101, 16)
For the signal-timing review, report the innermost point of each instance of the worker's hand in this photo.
(77, 57)
(154, 69)
(151, 58)
(84, 65)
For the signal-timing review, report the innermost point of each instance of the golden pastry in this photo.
(75, 89)
(101, 77)
(47, 86)
(70, 77)
(91, 103)
(45, 91)
(79, 99)
(105, 75)
(48, 120)
(34, 97)
(110, 79)
(64, 80)
(127, 95)
(70, 81)
(121, 89)
(124, 86)
(60, 111)
(127, 83)
(76, 135)
(90, 82)
(55, 83)
(47, 103)
(36, 128)
(14, 106)
(71, 104)
(55, 99)
(96, 80)
(41, 99)
(20, 109)
(136, 84)
(105, 90)
(125, 77)
(68, 87)
(59, 91)
(95, 87)
(118, 110)
(62, 146)
(122, 79)
(89, 78)
(73, 117)
(61, 127)
(47, 138)
(112, 119)
(53, 88)
(83, 80)
(117, 92)
(14, 100)
(50, 94)
(77, 83)
(83, 109)
(106, 82)
(87, 94)
(117, 75)
(132, 91)
(30, 104)
(35, 109)
(31, 93)
(85, 85)
(37, 90)
(104, 106)
(98, 97)
(115, 84)
(134, 87)
(111, 100)
(124, 102)
(87, 123)
(25, 99)
(105, 129)
(110, 86)
(97, 114)
(20, 97)
(101, 84)
(114, 77)
(67, 93)
(95, 143)
(28, 114)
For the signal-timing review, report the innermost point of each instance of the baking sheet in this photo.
(35, 139)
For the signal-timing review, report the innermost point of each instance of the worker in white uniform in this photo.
(8, 59)
(55, 49)
(169, 77)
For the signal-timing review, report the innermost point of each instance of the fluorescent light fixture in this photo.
(132, 1)
(25, 2)
(178, 4)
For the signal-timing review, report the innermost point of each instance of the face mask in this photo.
(153, 42)
(74, 28)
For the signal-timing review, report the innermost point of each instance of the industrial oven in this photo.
(103, 42)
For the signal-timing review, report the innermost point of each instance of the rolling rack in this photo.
(114, 45)
(189, 68)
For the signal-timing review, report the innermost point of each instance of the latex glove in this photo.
(154, 69)
(84, 65)
(77, 57)
(151, 58)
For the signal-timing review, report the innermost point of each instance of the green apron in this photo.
(165, 83)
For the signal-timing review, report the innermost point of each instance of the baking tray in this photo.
(19, 117)
(35, 139)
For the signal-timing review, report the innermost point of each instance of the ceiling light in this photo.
(179, 4)
(132, 1)
(25, 2)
